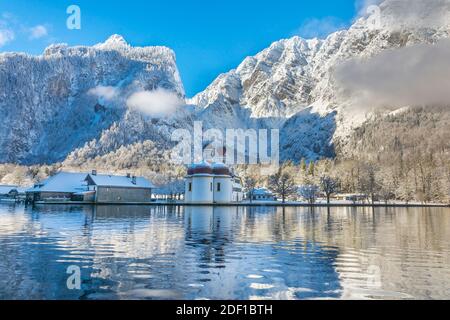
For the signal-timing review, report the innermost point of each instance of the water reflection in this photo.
(136, 252)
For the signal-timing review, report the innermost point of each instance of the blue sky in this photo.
(208, 37)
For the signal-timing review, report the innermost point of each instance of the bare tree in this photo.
(282, 183)
(309, 192)
(173, 189)
(250, 185)
(368, 182)
(447, 182)
(329, 186)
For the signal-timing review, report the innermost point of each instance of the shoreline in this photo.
(260, 204)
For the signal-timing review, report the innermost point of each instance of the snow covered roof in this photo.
(216, 168)
(261, 191)
(6, 189)
(221, 169)
(120, 181)
(66, 182)
(200, 168)
(21, 190)
(219, 165)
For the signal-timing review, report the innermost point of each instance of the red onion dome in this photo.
(221, 169)
(190, 170)
(202, 168)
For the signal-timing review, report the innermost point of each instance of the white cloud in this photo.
(157, 103)
(6, 36)
(38, 32)
(320, 28)
(11, 26)
(105, 92)
(413, 14)
(391, 15)
(6, 29)
(413, 76)
(363, 5)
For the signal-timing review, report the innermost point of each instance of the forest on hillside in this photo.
(404, 155)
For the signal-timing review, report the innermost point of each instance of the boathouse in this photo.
(63, 186)
(92, 188)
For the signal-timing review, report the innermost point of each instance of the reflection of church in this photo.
(212, 183)
(255, 252)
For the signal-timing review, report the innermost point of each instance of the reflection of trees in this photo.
(398, 242)
(111, 243)
(391, 239)
(32, 261)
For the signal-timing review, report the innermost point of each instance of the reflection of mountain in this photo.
(31, 259)
(225, 253)
(386, 253)
(10, 223)
(107, 248)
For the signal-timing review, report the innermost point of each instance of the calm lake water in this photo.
(224, 253)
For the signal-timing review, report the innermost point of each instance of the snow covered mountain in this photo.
(71, 103)
(295, 80)
(57, 102)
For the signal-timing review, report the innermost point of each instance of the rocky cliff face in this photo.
(293, 74)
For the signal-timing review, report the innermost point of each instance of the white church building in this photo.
(212, 184)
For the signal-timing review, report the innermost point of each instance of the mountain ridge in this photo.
(52, 93)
